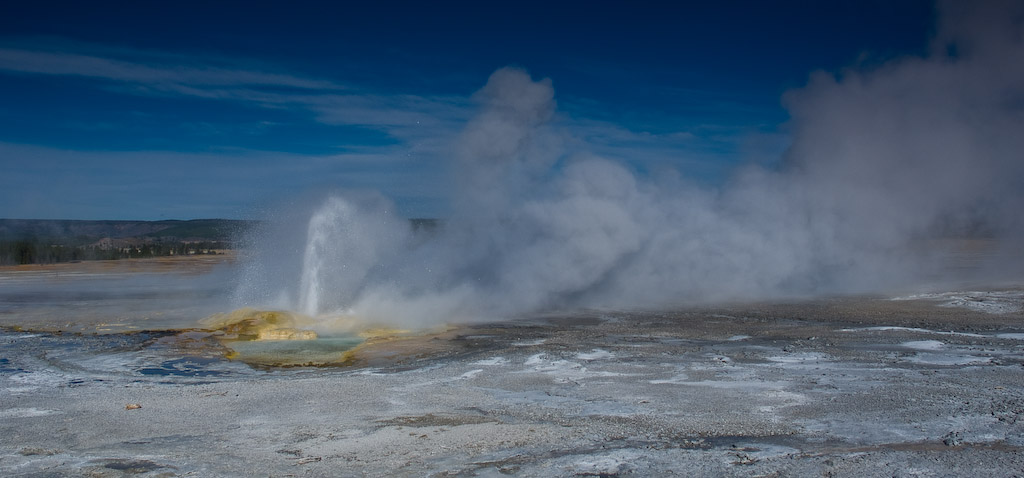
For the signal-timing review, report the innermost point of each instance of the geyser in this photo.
(882, 160)
(343, 246)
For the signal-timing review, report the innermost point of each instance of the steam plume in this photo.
(881, 160)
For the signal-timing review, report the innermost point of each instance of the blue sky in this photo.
(179, 110)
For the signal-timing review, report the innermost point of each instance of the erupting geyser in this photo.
(341, 250)
(882, 160)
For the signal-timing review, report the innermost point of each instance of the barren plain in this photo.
(925, 385)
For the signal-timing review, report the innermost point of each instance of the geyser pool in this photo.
(318, 351)
(273, 337)
(284, 338)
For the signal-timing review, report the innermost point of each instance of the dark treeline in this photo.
(46, 241)
(34, 251)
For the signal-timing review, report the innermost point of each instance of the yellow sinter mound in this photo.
(253, 324)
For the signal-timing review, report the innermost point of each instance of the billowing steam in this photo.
(882, 161)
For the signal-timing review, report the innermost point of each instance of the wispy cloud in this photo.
(422, 128)
(149, 73)
(174, 76)
(388, 110)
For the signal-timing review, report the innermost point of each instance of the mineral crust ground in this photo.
(927, 385)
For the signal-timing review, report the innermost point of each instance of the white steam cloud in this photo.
(881, 161)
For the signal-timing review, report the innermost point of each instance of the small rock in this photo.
(30, 451)
(953, 439)
(744, 459)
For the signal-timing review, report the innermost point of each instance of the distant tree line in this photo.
(34, 251)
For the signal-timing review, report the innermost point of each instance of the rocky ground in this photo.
(925, 386)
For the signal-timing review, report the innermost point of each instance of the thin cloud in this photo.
(155, 75)
(424, 128)
(161, 74)
(385, 110)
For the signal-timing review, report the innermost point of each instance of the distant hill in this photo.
(43, 241)
(79, 233)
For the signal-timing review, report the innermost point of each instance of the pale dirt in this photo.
(190, 263)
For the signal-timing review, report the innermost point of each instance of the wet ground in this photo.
(928, 385)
